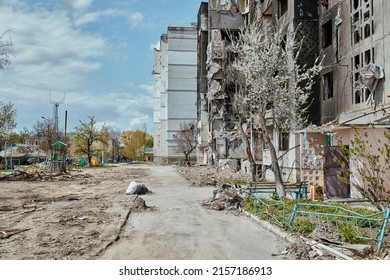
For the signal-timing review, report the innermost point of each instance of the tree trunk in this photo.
(370, 195)
(274, 158)
(248, 150)
(89, 160)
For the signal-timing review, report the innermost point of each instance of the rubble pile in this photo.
(303, 250)
(31, 175)
(211, 175)
(225, 197)
(326, 231)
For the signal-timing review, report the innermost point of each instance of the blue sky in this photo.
(96, 53)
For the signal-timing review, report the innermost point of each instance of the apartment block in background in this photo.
(175, 89)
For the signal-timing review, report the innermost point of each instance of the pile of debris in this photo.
(225, 197)
(21, 175)
(211, 175)
(308, 249)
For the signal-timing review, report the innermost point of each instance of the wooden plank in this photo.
(328, 249)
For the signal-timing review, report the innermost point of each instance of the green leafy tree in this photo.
(7, 121)
(86, 139)
(7, 117)
(134, 144)
(370, 161)
(21, 136)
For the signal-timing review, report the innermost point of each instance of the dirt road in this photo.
(90, 217)
(181, 228)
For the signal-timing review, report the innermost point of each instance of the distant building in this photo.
(148, 154)
(175, 89)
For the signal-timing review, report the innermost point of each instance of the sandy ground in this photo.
(89, 216)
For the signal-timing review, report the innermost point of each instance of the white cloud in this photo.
(147, 88)
(55, 52)
(135, 19)
(80, 4)
(48, 50)
(131, 109)
(86, 18)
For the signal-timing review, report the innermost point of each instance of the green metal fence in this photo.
(274, 210)
(369, 227)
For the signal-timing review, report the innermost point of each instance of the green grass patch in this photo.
(303, 227)
(353, 230)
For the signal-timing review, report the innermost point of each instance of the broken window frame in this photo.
(362, 23)
(327, 34)
(282, 7)
(360, 93)
(327, 80)
(284, 141)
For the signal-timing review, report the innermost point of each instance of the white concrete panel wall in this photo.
(178, 84)
(182, 105)
(181, 33)
(164, 106)
(163, 139)
(182, 58)
(182, 77)
(182, 84)
(180, 44)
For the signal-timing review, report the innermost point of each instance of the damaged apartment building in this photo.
(354, 41)
(220, 142)
(174, 101)
(351, 37)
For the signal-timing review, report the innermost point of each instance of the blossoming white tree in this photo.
(276, 86)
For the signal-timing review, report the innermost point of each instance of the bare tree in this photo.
(276, 86)
(45, 130)
(109, 147)
(186, 139)
(5, 49)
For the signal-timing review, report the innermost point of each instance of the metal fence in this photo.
(357, 226)
(364, 227)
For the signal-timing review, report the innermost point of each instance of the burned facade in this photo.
(219, 142)
(222, 143)
(354, 37)
(350, 36)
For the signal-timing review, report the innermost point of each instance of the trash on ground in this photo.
(137, 188)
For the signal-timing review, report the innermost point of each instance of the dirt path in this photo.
(181, 228)
(89, 216)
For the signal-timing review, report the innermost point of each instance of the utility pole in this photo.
(48, 136)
